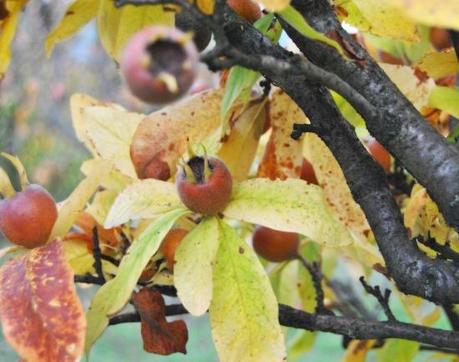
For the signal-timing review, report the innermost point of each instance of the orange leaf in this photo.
(163, 136)
(283, 155)
(41, 315)
(159, 336)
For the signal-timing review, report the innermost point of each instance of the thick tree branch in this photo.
(403, 131)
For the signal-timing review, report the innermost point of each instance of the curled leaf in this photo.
(41, 314)
(159, 336)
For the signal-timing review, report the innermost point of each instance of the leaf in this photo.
(77, 14)
(239, 148)
(300, 345)
(6, 188)
(117, 25)
(164, 136)
(195, 259)
(107, 131)
(243, 311)
(159, 336)
(144, 199)
(41, 314)
(274, 5)
(295, 19)
(206, 6)
(7, 31)
(441, 13)
(77, 200)
(398, 350)
(78, 102)
(406, 80)
(283, 156)
(380, 18)
(438, 65)
(19, 167)
(335, 188)
(357, 350)
(241, 80)
(445, 98)
(290, 205)
(113, 295)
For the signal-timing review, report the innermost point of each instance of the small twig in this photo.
(125, 243)
(134, 317)
(97, 254)
(316, 275)
(444, 251)
(453, 317)
(110, 259)
(382, 299)
(88, 279)
(300, 128)
(266, 85)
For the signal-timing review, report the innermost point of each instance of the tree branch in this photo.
(403, 131)
(383, 300)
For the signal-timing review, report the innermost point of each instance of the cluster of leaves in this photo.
(216, 270)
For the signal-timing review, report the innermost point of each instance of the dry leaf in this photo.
(159, 336)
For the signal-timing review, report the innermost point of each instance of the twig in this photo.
(316, 275)
(300, 128)
(97, 254)
(453, 317)
(133, 317)
(110, 259)
(88, 279)
(382, 299)
(444, 251)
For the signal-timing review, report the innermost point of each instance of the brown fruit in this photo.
(170, 244)
(28, 217)
(440, 38)
(389, 58)
(248, 9)
(307, 173)
(275, 245)
(204, 185)
(159, 64)
(380, 154)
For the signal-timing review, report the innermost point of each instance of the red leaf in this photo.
(41, 314)
(159, 336)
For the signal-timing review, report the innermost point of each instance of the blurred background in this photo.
(35, 125)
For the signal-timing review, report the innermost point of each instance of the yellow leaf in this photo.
(438, 65)
(406, 80)
(6, 188)
(117, 25)
(195, 259)
(441, 13)
(144, 199)
(76, 202)
(291, 205)
(357, 350)
(379, 18)
(19, 167)
(334, 185)
(283, 155)
(7, 31)
(274, 5)
(239, 149)
(244, 310)
(77, 14)
(206, 6)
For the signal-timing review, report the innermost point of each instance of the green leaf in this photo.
(446, 99)
(290, 205)
(144, 199)
(398, 350)
(77, 14)
(295, 19)
(193, 269)
(244, 310)
(300, 344)
(241, 80)
(113, 295)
